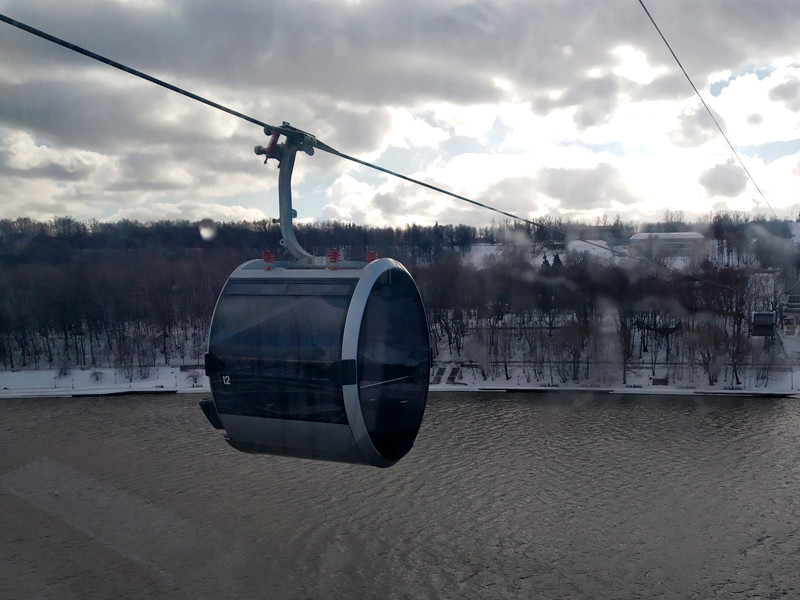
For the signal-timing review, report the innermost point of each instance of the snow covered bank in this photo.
(98, 382)
(447, 377)
(454, 376)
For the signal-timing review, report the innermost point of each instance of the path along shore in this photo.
(169, 380)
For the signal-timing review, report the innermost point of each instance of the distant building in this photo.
(653, 245)
(791, 315)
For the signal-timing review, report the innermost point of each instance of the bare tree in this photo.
(709, 340)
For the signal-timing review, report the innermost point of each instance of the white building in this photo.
(681, 243)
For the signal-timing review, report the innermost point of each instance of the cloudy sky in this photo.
(560, 108)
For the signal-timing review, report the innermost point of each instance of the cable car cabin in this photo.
(763, 324)
(319, 363)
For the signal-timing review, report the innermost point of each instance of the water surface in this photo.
(508, 495)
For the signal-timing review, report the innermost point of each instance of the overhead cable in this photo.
(127, 69)
(708, 109)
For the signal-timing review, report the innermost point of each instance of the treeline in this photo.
(584, 319)
(127, 309)
(132, 295)
(25, 241)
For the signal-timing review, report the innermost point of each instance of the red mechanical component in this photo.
(273, 141)
(269, 259)
(334, 255)
(372, 256)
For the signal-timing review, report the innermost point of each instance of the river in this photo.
(503, 496)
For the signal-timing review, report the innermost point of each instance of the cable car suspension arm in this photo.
(285, 154)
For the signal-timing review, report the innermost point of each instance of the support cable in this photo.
(708, 110)
(127, 69)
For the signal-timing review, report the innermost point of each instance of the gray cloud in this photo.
(382, 52)
(787, 92)
(727, 180)
(387, 203)
(584, 188)
(695, 128)
(755, 119)
(513, 194)
(358, 129)
(595, 99)
(74, 170)
(336, 70)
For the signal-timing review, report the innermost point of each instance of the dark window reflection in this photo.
(393, 363)
(280, 343)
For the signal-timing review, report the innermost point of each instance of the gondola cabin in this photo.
(329, 364)
(763, 324)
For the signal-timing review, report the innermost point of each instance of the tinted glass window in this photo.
(280, 352)
(393, 363)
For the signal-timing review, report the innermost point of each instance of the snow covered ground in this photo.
(451, 377)
(97, 382)
(447, 377)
